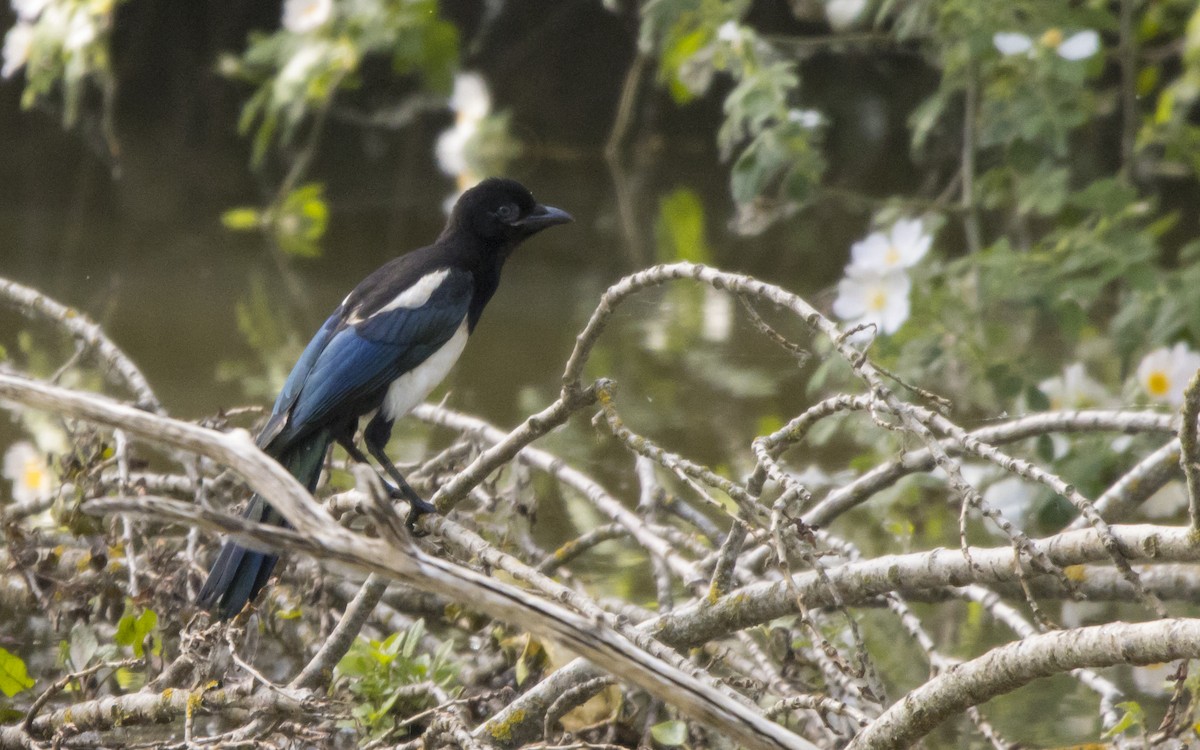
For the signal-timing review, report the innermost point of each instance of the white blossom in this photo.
(807, 118)
(81, 30)
(472, 103)
(470, 99)
(1154, 679)
(1164, 373)
(1080, 46)
(869, 295)
(18, 43)
(843, 14)
(1011, 496)
(729, 32)
(451, 148)
(26, 468)
(901, 247)
(29, 10)
(1010, 43)
(1074, 389)
(303, 16)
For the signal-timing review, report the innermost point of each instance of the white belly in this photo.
(412, 387)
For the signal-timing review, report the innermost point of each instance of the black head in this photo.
(502, 211)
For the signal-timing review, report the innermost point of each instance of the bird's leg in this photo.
(376, 436)
(358, 457)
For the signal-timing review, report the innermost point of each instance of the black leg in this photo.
(376, 436)
(358, 457)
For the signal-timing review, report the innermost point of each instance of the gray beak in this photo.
(543, 216)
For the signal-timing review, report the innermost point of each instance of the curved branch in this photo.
(1013, 665)
(843, 499)
(31, 302)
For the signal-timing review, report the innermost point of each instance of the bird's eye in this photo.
(507, 213)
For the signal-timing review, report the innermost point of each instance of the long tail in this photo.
(239, 573)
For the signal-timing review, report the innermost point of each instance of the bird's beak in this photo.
(543, 216)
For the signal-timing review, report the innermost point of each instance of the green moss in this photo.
(503, 731)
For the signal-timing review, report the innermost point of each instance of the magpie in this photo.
(380, 353)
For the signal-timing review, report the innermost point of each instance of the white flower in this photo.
(451, 148)
(303, 16)
(46, 430)
(18, 43)
(1164, 373)
(29, 10)
(729, 32)
(842, 14)
(1010, 496)
(807, 118)
(902, 247)
(1154, 679)
(472, 103)
(868, 295)
(26, 468)
(1080, 46)
(470, 99)
(81, 30)
(1074, 389)
(54, 23)
(1010, 43)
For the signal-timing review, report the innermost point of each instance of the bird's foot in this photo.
(418, 508)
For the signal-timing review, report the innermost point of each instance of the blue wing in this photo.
(352, 360)
(296, 378)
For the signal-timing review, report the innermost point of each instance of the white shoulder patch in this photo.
(417, 294)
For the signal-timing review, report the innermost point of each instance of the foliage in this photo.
(773, 145)
(298, 72)
(63, 47)
(134, 631)
(13, 676)
(297, 222)
(381, 675)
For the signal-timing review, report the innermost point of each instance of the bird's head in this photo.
(502, 211)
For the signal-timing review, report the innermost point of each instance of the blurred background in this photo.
(208, 180)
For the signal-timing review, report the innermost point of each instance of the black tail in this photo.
(239, 573)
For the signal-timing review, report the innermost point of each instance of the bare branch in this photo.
(1008, 667)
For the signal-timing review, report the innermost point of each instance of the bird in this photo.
(384, 348)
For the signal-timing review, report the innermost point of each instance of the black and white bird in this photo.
(381, 352)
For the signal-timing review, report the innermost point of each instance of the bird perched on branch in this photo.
(382, 351)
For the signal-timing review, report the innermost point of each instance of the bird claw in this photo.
(417, 508)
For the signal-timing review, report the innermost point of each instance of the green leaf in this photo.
(412, 639)
(1135, 716)
(129, 680)
(522, 670)
(669, 733)
(301, 221)
(241, 219)
(13, 677)
(133, 631)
